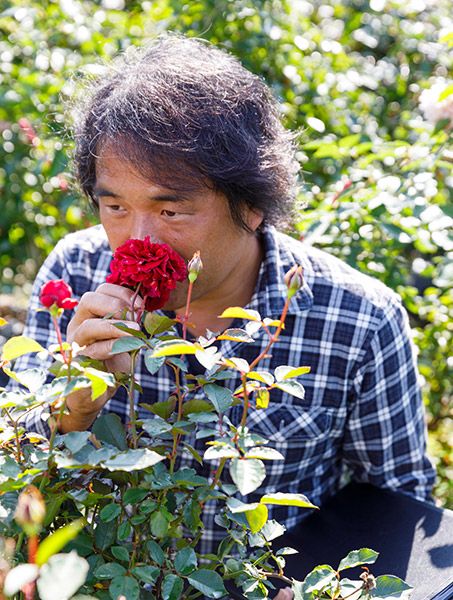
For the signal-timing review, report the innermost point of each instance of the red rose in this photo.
(57, 292)
(154, 267)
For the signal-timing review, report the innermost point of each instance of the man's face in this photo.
(133, 207)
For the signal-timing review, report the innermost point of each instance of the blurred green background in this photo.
(377, 166)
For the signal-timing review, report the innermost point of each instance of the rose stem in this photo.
(186, 313)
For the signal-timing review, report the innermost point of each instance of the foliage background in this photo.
(377, 177)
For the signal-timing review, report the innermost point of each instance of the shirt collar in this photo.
(280, 254)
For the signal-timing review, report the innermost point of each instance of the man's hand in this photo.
(93, 327)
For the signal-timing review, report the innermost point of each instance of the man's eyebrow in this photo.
(100, 192)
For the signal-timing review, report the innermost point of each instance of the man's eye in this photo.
(168, 213)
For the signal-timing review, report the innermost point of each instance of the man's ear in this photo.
(254, 218)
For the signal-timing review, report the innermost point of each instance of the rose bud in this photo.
(294, 280)
(30, 510)
(194, 267)
(57, 292)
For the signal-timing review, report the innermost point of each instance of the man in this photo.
(178, 141)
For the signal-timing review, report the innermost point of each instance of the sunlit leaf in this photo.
(18, 346)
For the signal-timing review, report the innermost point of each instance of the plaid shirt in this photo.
(362, 414)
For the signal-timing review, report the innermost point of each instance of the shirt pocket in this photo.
(303, 435)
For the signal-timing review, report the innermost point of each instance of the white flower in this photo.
(433, 109)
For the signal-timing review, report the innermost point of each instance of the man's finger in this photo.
(94, 330)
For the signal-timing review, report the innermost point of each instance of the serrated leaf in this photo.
(262, 398)
(58, 540)
(120, 553)
(388, 586)
(134, 495)
(158, 524)
(155, 551)
(156, 426)
(247, 474)
(237, 312)
(147, 574)
(153, 364)
(172, 587)
(224, 451)
(257, 517)
(133, 460)
(18, 346)
(196, 406)
(124, 586)
(32, 379)
(221, 397)
(109, 429)
(286, 372)
(196, 455)
(127, 344)
(238, 364)
(162, 409)
(263, 376)
(208, 583)
(109, 571)
(186, 561)
(292, 387)
(236, 335)
(317, 580)
(283, 499)
(100, 381)
(110, 512)
(264, 453)
(364, 556)
(175, 348)
(155, 324)
(236, 506)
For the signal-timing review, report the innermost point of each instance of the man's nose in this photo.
(143, 226)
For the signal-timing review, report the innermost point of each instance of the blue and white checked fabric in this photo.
(362, 414)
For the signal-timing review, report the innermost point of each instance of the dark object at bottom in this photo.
(414, 539)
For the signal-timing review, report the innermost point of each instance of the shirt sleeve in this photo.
(39, 327)
(385, 438)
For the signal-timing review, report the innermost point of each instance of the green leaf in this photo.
(174, 348)
(236, 335)
(448, 91)
(110, 512)
(271, 530)
(32, 379)
(208, 583)
(62, 576)
(196, 406)
(186, 561)
(109, 429)
(286, 372)
(155, 551)
(257, 517)
(155, 427)
(109, 571)
(134, 495)
(388, 586)
(237, 312)
(124, 586)
(317, 580)
(146, 574)
(162, 409)
(158, 524)
(196, 455)
(124, 531)
(153, 364)
(155, 324)
(247, 474)
(104, 535)
(172, 587)
(19, 576)
(364, 556)
(133, 460)
(19, 345)
(264, 453)
(282, 499)
(120, 553)
(191, 514)
(292, 387)
(127, 344)
(57, 540)
(75, 440)
(221, 397)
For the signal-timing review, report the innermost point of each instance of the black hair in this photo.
(187, 114)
